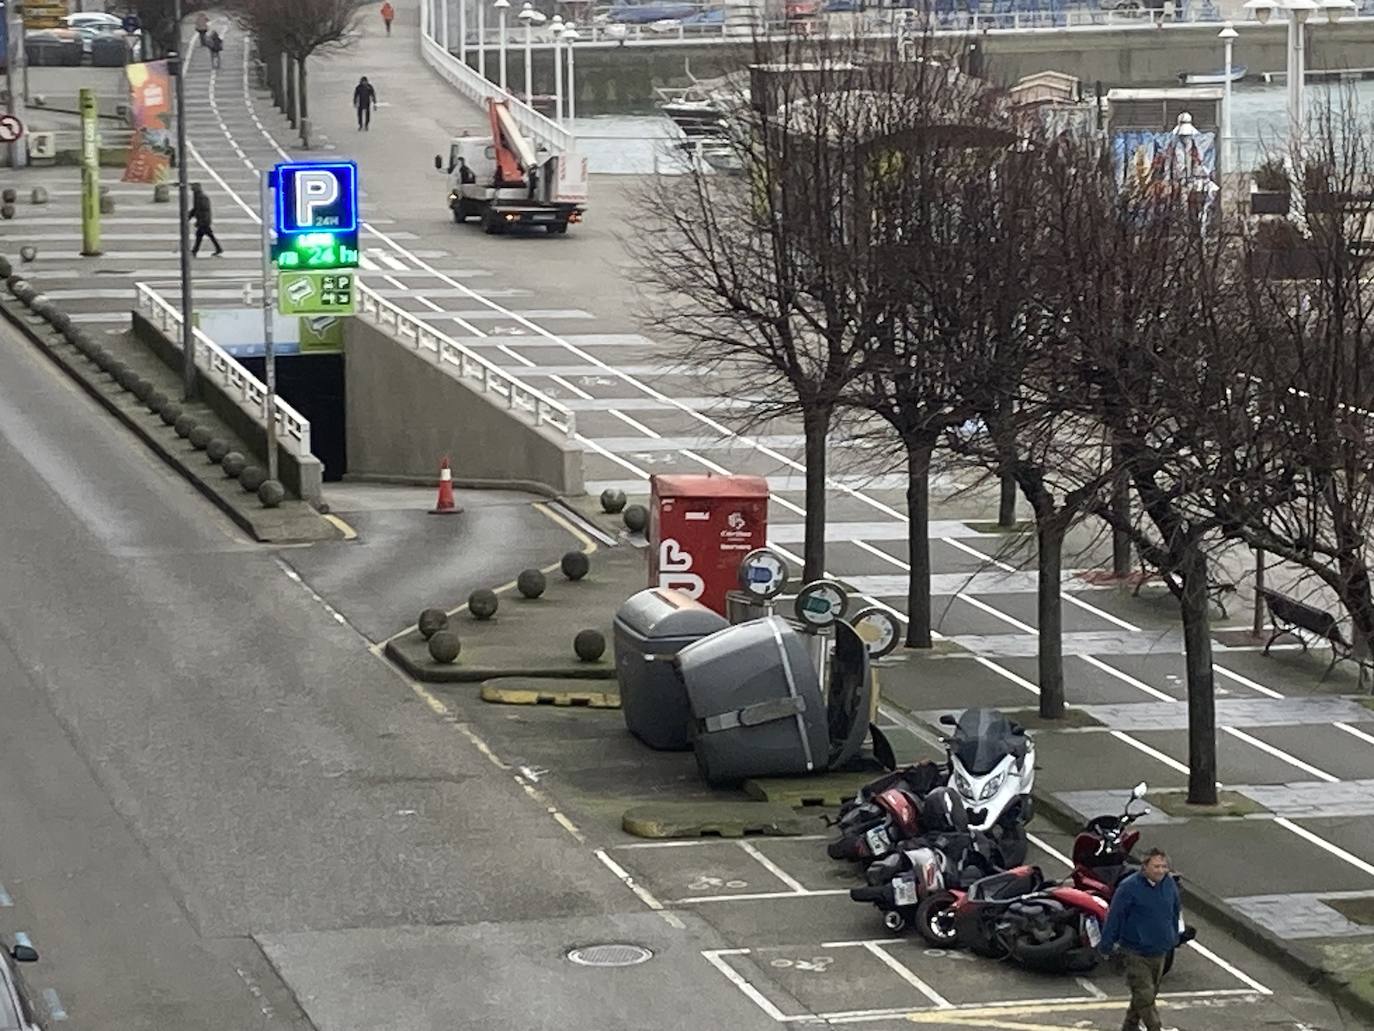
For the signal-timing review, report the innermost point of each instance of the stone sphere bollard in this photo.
(144, 389)
(612, 500)
(155, 401)
(10, 195)
(233, 465)
(107, 204)
(128, 379)
(6, 269)
(589, 645)
(200, 437)
(162, 193)
(575, 565)
(216, 450)
(444, 646)
(636, 518)
(482, 603)
(28, 253)
(108, 363)
(170, 413)
(60, 320)
(39, 195)
(6, 211)
(531, 583)
(184, 425)
(271, 493)
(431, 622)
(252, 477)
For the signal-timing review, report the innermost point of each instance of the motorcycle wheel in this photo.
(988, 944)
(1044, 954)
(934, 920)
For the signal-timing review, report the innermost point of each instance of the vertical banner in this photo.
(90, 175)
(150, 151)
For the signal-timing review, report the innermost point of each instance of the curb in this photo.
(150, 440)
(1238, 925)
(455, 674)
(461, 483)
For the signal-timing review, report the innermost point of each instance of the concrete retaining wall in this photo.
(303, 477)
(404, 414)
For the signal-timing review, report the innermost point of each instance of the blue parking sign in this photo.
(316, 197)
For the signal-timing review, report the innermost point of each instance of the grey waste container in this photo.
(650, 629)
(109, 51)
(756, 703)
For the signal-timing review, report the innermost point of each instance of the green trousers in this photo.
(1143, 974)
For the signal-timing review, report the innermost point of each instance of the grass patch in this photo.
(1032, 720)
(1020, 526)
(1229, 803)
(1357, 911)
(1366, 701)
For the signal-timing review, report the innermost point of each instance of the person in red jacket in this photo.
(388, 13)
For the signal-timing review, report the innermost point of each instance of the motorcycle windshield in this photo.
(981, 739)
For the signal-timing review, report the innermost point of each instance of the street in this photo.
(220, 808)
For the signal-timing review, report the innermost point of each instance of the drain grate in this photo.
(613, 954)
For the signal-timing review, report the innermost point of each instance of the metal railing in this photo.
(293, 429)
(471, 84)
(447, 353)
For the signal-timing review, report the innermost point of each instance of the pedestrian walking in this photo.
(215, 44)
(1142, 924)
(200, 212)
(388, 13)
(364, 100)
(202, 26)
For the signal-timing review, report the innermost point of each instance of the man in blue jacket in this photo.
(1143, 921)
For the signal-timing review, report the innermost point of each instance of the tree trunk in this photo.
(290, 90)
(1049, 613)
(1121, 507)
(1197, 643)
(1006, 506)
(918, 543)
(816, 426)
(305, 107)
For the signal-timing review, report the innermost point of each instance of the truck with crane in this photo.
(505, 180)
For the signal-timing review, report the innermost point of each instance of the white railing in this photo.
(293, 429)
(471, 84)
(467, 364)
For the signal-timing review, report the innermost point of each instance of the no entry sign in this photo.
(11, 128)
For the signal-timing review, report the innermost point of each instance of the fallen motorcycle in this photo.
(876, 819)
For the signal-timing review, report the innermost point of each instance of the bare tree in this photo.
(158, 18)
(300, 29)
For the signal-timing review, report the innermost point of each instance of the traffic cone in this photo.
(445, 505)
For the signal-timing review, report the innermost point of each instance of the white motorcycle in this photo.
(992, 767)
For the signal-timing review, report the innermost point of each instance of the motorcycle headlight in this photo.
(990, 788)
(962, 785)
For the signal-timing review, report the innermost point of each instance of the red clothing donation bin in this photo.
(700, 527)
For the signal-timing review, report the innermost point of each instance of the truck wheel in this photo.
(558, 229)
(460, 211)
(491, 225)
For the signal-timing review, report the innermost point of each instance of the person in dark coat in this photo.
(200, 212)
(1143, 924)
(215, 44)
(364, 100)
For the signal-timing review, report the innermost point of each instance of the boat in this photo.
(702, 110)
(1212, 78)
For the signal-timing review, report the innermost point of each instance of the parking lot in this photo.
(805, 954)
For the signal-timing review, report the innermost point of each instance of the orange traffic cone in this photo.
(445, 505)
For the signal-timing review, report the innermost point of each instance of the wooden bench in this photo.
(1288, 614)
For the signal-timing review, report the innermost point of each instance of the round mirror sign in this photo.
(820, 603)
(878, 629)
(763, 573)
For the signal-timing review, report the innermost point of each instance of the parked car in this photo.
(94, 19)
(15, 1014)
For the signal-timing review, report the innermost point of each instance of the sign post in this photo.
(14, 55)
(90, 175)
(315, 216)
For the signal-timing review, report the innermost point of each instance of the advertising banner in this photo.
(151, 148)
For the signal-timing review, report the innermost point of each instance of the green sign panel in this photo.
(311, 292)
(322, 334)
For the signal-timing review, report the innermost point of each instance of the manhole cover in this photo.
(611, 955)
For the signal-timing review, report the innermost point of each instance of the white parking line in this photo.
(1325, 845)
(1279, 753)
(714, 957)
(1153, 753)
(6, 899)
(1355, 732)
(54, 1004)
(759, 896)
(906, 975)
(772, 867)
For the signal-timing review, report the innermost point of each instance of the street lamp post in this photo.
(531, 18)
(556, 27)
(481, 38)
(462, 29)
(571, 36)
(1299, 12)
(1228, 36)
(443, 25)
(501, 7)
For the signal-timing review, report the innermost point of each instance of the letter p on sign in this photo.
(314, 190)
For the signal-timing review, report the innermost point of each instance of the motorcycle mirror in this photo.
(948, 720)
(1139, 790)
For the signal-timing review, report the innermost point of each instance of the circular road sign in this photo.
(878, 629)
(11, 129)
(131, 24)
(820, 603)
(763, 573)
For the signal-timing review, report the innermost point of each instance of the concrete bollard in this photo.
(444, 647)
(252, 478)
(162, 194)
(6, 211)
(589, 645)
(184, 424)
(39, 195)
(636, 518)
(200, 437)
(128, 379)
(170, 413)
(155, 401)
(28, 253)
(612, 500)
(575, 565)
(271, 493)
(107, 204)
(216, 450)
(9, 195)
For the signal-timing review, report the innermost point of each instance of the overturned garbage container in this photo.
(848, 694)
(756, 705)
(650, 629)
